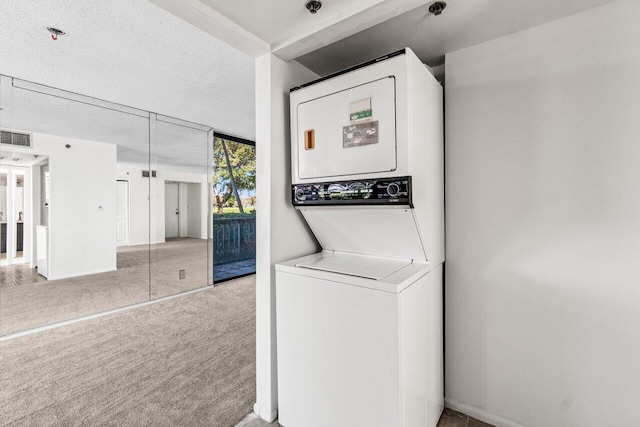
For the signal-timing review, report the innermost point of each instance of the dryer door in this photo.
(349, 132)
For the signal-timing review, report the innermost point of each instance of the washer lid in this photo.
(389, 231)
(353, 265)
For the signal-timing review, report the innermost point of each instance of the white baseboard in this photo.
(197, 237)
(481, 414)
(69, 276)
(97, 315)
(266, 417)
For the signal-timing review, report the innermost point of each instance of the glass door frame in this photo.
(231, 138)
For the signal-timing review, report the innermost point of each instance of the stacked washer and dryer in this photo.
(359, 324)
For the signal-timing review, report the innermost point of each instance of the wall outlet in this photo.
(182, 274)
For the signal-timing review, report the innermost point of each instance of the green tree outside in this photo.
(242, 162)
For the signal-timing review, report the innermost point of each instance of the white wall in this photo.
(543, 223)
(82, 212)
(139, 189)
(281, 231)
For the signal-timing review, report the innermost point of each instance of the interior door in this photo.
(122, 213)
(171, 210)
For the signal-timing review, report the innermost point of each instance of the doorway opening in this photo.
(182, 210)
(12, 215)
(21, 206)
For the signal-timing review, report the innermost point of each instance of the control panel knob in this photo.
(300, 194)
(393, 189)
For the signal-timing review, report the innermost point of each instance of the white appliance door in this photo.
(349, 132)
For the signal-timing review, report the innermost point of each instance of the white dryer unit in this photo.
(359, 325)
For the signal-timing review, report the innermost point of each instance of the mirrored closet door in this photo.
(86, 189)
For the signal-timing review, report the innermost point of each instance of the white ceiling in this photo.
(276, 21)
(463, 23)
(130, 52)
(346, 32)
(284, 27)
(134, 53)
(10, 158)
(280, 22)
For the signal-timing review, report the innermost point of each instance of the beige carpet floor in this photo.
(28, 301)
(189, 361)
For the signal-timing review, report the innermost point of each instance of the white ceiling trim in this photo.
(214, 23)
(343, 24)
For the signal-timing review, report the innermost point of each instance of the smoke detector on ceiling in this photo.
(313, 5)
(437, 7)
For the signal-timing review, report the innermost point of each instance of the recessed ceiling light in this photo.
(437, 7)
(55, 32)
(313, 5)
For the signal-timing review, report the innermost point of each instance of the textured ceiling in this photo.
(133, 53)
(463, 23)
(130, 52)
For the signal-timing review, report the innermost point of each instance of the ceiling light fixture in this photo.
(55, 33)
(437, 7)
(313, 5)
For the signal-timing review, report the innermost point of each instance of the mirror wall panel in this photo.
(74, 203)
(181, 227)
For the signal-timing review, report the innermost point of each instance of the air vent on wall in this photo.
(15, 138)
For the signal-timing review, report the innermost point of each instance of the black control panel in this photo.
(385, 191)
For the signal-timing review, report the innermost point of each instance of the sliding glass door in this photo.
(233, 207)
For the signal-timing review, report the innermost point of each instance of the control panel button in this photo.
(393, 189)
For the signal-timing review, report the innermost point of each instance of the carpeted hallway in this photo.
(189, 361)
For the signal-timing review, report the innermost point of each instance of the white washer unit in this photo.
(359, 325)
